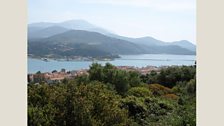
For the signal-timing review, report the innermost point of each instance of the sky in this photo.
(166, 20)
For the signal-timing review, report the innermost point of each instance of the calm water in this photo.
(35, 65)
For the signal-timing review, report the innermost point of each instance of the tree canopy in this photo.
(108, 96)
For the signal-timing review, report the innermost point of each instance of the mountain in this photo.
(79, 42)
(79, 37)
(150, 41)
(185, 44)
(37, 32)
(85, 43)
(72, 25)
(33, 29)
(147, 41)
(167, 49)
(84, 25)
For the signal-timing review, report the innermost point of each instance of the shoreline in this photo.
(82, 59)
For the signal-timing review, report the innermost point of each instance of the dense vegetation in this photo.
(47, 50)
(113, 97)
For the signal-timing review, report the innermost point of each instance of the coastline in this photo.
(78, 58)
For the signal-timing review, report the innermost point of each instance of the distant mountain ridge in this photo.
(150, 41)
(45, 32)
(185, 44)
(72, 25)
(78, 37)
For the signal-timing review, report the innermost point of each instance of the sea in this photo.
(142, 60)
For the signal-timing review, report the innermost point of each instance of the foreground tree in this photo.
(71, 104)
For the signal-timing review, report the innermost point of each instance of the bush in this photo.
(148, 110)
(169, 76)
(139, 92)
(136, 107)
(71, 104)
(191, 87)
(159, 90)
(119, 79)
(41, 116)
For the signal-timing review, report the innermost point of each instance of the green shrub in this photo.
(139, 92)
(191, 87)
(71, 104)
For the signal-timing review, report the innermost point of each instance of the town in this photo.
(58, 76)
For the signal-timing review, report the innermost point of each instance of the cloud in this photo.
(161, 5)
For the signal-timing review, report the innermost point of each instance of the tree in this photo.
(139, 92)
(134, 79)
(38, 72)
(169, 76)
(96, 72)
(191, 87)
(54, 71)
(121, 81)
(71, 104)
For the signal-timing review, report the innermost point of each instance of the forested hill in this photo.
(84, 43)
(78, 37)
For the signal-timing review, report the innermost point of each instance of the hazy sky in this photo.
(167, 20)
